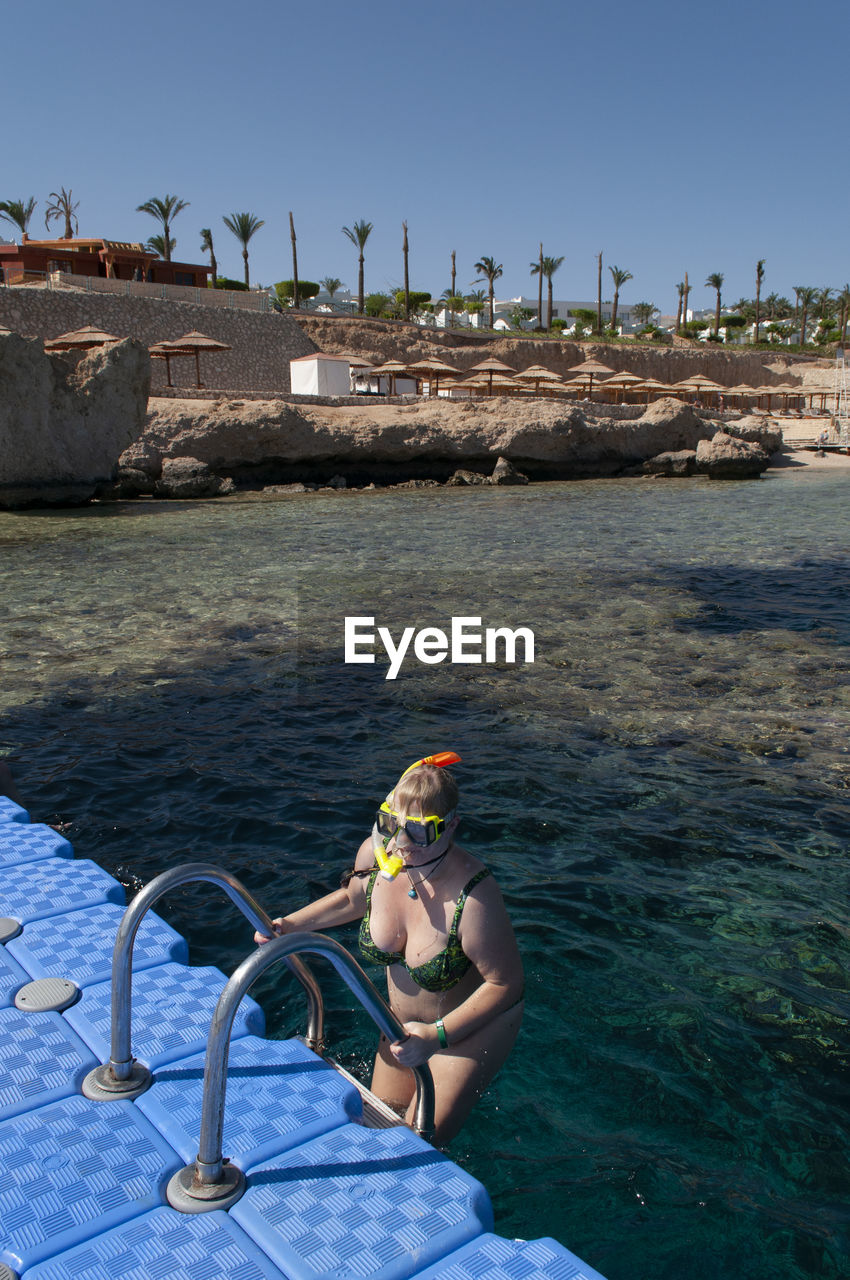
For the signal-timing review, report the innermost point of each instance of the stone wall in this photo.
(262, 345)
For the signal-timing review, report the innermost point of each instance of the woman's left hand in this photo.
(420, 1045)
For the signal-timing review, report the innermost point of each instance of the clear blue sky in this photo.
(674, 136)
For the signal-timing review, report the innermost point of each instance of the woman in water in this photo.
(454, 975)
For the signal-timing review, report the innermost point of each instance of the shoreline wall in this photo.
(262, 343)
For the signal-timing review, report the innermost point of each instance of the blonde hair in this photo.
(425, 790)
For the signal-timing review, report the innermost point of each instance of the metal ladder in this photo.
(211, 1182)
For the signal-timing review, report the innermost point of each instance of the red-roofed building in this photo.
(111, 259)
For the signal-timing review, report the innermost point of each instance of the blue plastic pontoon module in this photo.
(361, 1202)
(52, 886)
(27, 843)
(172, 1007)
(11, 812)
(169, 1246)
(12, 978)
(41, 1059)
(279, 1095)
(490, 1257)
(72, 1170)
(88, 939)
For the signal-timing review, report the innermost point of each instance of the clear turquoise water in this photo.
(663, 796)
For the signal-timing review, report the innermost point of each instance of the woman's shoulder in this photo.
(471, 871)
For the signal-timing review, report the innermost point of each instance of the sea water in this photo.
(662, 795)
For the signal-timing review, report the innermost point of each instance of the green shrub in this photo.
(376, 304)
(235, 286)
(306, 289)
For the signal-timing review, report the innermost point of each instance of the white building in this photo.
(561, 310)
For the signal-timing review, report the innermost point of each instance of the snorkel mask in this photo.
(420, 831)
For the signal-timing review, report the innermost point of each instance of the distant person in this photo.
(432, 914)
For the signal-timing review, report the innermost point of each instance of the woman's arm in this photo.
(487, 938)
(340, 907)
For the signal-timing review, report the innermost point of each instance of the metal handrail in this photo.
(207, 1170)
(121, 1060)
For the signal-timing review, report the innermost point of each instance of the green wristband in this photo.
(441, 1034)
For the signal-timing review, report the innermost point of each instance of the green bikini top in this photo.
(442, 971)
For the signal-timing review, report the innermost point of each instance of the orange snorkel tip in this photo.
(441, 759)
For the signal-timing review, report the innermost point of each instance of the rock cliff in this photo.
(64, 420)
(273, 442)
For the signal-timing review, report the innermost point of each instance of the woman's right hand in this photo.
(280, 926)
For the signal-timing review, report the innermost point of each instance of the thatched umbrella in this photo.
(490, 367)
(80, 339)
(593, 368)
(536, 373)
(356, 362)
(649, 385)
(162, 351)
(192, 344)
(433, 370)
(622, 382)
(391, 369)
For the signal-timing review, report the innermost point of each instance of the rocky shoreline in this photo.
(208, 449)
(74, 428)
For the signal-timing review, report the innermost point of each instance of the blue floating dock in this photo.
(24, 843)
(41, 1060)
(88, 938)
(361, 1202)
(279, 1094)
(165, 1245)
(72, 1170)
(83, 1187)
(11, 812)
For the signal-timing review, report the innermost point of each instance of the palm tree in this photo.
(547, 267)
(759, 278)
(358, 235)
(680, 310)
(715, 281)
(331, 285)
(491, 271)
(806, 295)
(619, 277)
(18, 212)
(685, 297)
(826, 305)
(243, 226)
(537, 269)
(207, 247)
(843, 301)
(157, 244)
(62, 207)
(165, 210)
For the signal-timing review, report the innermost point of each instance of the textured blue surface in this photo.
(52, 886)
(72, 1170)
(20, 842)
(11, 812)
(279, 1095)
(164, 1245)
(12, 978)
(40, 1060)
(79, 945)
(172, 1006)
(82, 1185)
(361, 1202)
(491, 1258)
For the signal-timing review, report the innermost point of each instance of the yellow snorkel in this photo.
(390, 864)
